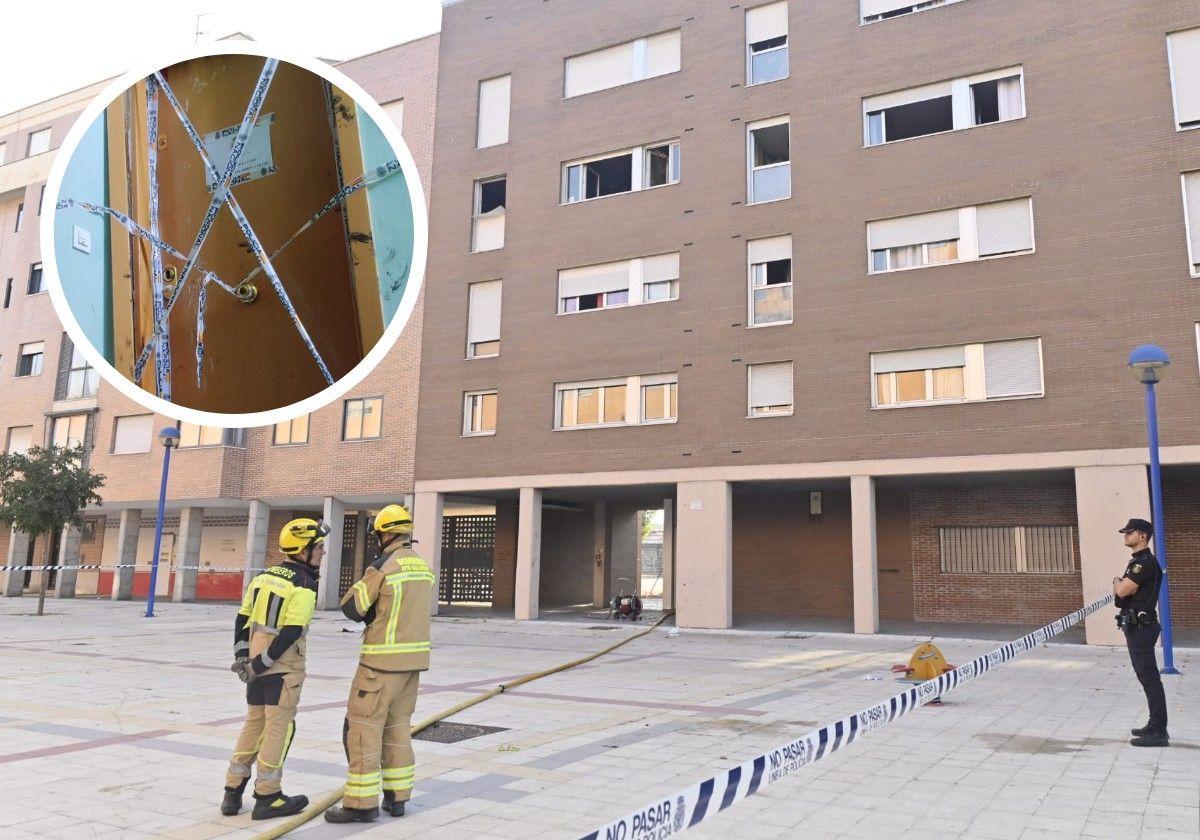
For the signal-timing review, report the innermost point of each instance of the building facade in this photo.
(847, 289)
(230, 490)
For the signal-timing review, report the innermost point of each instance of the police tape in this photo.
(671, 815)
(94, 567)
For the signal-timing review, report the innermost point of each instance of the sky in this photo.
(50, 47)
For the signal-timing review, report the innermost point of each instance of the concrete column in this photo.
(187, 554)
(18, 555)
(127, 543)
(865, 563)
(1105, 497)
(668, 555)
(257, 525)
(68, 561)
(600, 550)
(334, 515)
(704, 555)
(427, 511)
(529, 555)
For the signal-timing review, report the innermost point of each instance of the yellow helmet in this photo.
(299, 534)
(393, 519)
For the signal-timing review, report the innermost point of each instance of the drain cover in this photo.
(447, 732)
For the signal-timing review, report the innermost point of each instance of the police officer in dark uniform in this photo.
(1136, 594)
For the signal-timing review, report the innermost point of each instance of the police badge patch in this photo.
(1135, 568)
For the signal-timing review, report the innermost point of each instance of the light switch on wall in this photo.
(82, 240)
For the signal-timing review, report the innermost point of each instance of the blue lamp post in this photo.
(170, 439)
(1146, 360)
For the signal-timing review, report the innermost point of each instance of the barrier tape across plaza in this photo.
(93, 567)
(671, 815)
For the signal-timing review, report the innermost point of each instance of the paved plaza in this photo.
(116, 726)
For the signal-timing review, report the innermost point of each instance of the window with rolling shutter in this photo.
(622, 64)
(1004, 227)
(1191, 218)
(620, 283)
(483, 319)
(1013, 368)
(873, 10)
(958, 373)
(770, 388)
(494, 96)
(1183, 51)
(766, 43)
(964, 234)
(133, 434)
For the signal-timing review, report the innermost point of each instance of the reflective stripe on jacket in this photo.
(399, 591)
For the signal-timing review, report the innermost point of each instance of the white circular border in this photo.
(416, 274)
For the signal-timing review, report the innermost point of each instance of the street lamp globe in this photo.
(1147, 360)
(169, 437)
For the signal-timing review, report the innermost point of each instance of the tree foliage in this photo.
(45, 489)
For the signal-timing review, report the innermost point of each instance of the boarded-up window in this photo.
(1010, 549)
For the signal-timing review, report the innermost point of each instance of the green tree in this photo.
(44, 490)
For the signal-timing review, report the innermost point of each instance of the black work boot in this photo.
(340, 814)
(1151, 739)
(231, 805)
(1141, 730)
(277, 805)
(391, 806)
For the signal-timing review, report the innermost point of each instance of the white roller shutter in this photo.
(1012, 368)
(771, 384)
(905, 97)
(871, 8)
(1004, 227)
(592, 279)
(20, 439)
(769, 250)
(913, 230)
(483, 319)
(1184, 49)
(493, 112)
(601, 69)
(660, 267)
(662, 54)
(395, 113)
(1191, 198)
(133, 434)
(766, 22)
(926, 359)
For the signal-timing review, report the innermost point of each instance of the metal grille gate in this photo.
(350, 571)
(467, 544)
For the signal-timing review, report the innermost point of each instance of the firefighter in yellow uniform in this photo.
(268, 644)
(392, 599)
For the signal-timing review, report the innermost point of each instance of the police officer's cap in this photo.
(1138, 525)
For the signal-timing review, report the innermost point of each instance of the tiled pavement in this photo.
(112, 725)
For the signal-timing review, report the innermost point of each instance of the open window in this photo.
(952, 105)
(655, 165)
(487, 229)
(876, 10)
(29, 358)
(770, 263)
(770, 167)
(766, 43)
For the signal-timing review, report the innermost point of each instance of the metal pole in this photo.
(158, 528)
(1160, 545)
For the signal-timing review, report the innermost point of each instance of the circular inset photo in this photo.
(236, 235)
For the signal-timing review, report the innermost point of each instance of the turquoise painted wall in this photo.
(87, 278)
(391, 218)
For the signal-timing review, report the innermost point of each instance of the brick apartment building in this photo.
(230, 490)
(846, 288)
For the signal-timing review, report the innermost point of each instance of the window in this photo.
(20, 438)
(362, 419)
(873, 10)
(622, 283)
(960, 373)
(68, 431)
(3, 153)
(35, 284)
(492, 128)
(395, 113)
(770, 280)
(483, 319)
(479, 413)
(29, 359)
(191, 435)
(487, 228)
(622, 64)
(1001, 228)
(81, 378)
(291, 432)
(41, 199)
(769, 388)
(770, 169)
(997, 96)
(1183, 54)
(1191, 218)
(625, 401)
(39, 141)
(8, 292)
(133, 434)
(631, 170)
(1018, 549)
(20, 217)
(766, 43)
